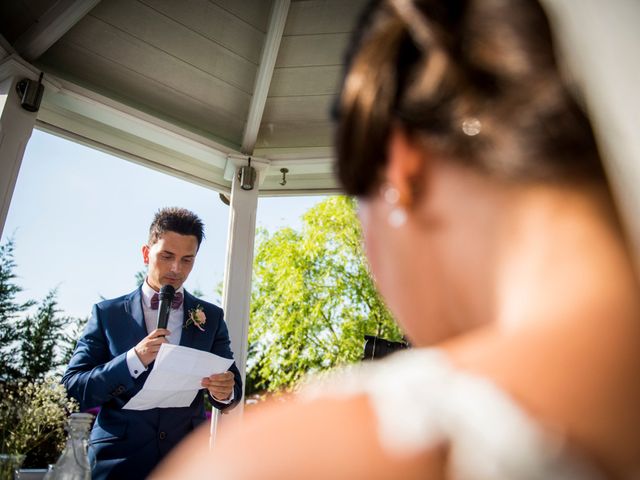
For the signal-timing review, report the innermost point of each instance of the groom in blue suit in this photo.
(117, 349)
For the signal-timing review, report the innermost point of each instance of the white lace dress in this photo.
(489, 435)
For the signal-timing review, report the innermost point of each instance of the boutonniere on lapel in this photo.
(196, 317)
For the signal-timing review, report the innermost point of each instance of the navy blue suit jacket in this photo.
(130, 443)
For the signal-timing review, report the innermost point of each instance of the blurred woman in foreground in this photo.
(492, 236)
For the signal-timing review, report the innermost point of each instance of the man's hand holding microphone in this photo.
(148, 348)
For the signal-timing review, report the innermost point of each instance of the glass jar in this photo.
(73, 463)
(10, 465)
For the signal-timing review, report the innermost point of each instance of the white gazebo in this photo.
(197, 88)
(194, 88)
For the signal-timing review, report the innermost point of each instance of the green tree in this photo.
(313, 299)
(40, 335)
(141, 276)
(10, 310)
(70, 338)
(34, 404)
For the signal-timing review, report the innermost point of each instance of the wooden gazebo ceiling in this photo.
(184, 86)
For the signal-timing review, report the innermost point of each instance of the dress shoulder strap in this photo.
(421, 400)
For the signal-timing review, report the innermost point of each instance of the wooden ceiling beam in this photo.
(270, 50)
(57, 21)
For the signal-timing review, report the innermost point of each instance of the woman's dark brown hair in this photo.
(436, 67)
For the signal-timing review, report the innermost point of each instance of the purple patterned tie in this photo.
(175, 303)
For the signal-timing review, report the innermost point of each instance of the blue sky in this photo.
(79, 218)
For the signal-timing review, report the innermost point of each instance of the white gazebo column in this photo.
(239, 266)
(16, 125)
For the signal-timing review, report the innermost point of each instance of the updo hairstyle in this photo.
(475, 82)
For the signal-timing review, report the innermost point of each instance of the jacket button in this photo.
(162, 435)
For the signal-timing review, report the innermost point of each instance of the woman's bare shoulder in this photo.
(331, 437)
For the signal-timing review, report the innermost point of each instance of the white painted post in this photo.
(239, 268)
(16, 125)
(213, 427)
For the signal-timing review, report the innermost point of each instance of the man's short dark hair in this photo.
(178, 220)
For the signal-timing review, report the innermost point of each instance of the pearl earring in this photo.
(398, 215)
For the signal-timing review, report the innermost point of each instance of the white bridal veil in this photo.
(599, 42)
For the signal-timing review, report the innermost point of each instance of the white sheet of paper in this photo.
(176, 376)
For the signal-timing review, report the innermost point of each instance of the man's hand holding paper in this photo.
(177, 376)
(220, 385)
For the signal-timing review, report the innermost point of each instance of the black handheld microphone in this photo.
(166, 295)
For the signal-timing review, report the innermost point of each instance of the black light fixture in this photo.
(30, 93)
(247, 176)
(225, 199)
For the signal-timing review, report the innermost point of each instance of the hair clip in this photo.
(471, 126)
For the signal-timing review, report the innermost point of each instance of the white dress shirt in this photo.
(174, 325)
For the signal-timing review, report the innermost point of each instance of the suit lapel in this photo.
(134, 307)
(186, 339)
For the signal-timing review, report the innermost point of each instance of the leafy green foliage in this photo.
(313, 299)
(38, 338)
(197, 293)
(141, 276)
(32, 418)
(33, 403)
(70, 338)
(36, 343)
(10, 310)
